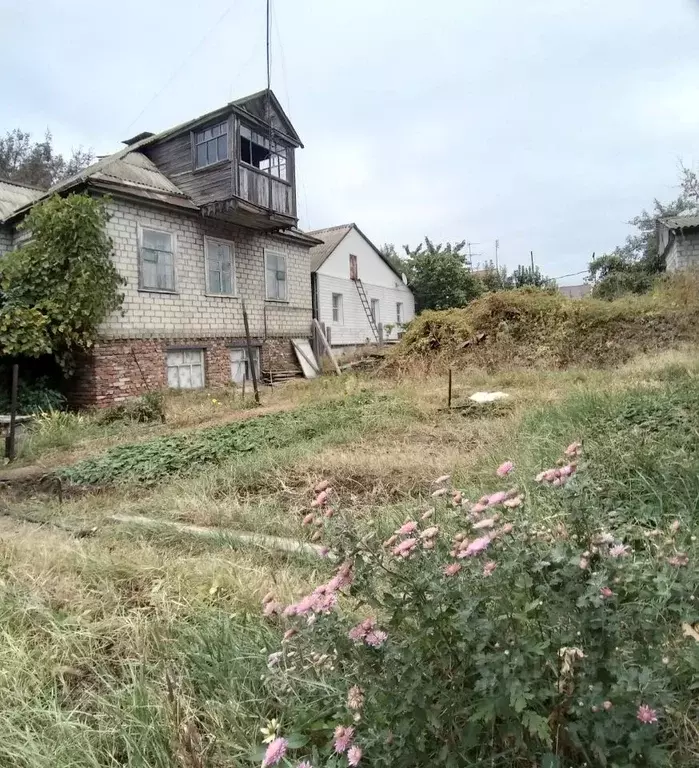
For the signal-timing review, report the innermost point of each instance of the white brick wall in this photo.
(684, 252)
(190, 312)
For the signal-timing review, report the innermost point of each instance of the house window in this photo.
(185, 368)
(337, 308)
(255, 151)
(399, 313)
(375, 310)
(211, 145)
(240, 364)
(157, 260)
(220, 267)
(275, 275)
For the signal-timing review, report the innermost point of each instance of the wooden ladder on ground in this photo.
(367, 307)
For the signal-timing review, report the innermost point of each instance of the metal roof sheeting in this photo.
(680, 222)
(13, 196)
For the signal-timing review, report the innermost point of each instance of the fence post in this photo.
(380, 329)
(10, 451)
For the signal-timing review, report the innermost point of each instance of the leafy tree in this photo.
(631, 267)
(59, 286)
(390, 253)
(440, 275)
(523, 276)
(36, 163)
(493, 278)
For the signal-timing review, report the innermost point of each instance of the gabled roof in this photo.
(332, 237)
(13, 196)
(253, 106)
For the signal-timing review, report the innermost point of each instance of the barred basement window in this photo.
(185, 368)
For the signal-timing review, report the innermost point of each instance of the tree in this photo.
(632, 267)
(36, 163)
(532, 276)
(59, 286)
(389, 252)
(440, 276)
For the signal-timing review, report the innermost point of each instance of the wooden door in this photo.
(353, 267)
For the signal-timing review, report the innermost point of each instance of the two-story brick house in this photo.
(203, 216)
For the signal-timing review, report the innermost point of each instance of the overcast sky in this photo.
(544, 123)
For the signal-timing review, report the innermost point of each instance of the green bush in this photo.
(34, 397)
(146, 408)
(532, 326)
(563, 635)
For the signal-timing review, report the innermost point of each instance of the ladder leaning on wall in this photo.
(367, 307)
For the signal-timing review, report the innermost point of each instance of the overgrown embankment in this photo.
(537, 327)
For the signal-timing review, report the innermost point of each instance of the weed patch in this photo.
(156, 459)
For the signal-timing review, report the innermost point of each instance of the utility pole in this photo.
(532, 255)
(497, 245)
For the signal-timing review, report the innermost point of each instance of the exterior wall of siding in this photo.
(5, 239)
(380, 282)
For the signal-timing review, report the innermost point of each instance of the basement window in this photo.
(255, 151)
(240, 364)
(185, 368)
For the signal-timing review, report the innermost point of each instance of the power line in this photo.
(181, 66)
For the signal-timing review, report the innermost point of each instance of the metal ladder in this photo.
(367, 307)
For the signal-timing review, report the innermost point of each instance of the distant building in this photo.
(356, 289)
(575, 291)
(678, 241)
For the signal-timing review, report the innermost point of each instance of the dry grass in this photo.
(89, 624)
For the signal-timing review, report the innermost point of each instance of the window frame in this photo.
(195, 144)
(377, 320)
(278, 149)
(141, 228)
(399, 312)
(285, 300)
(234, 283)
(183, 350)
(341, 309)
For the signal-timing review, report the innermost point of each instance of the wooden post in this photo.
(327, 331)
(380, 330)
(251, 359)
(328, 349)
(449, 391)
(10, 447)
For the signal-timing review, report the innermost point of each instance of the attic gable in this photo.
(256, 106)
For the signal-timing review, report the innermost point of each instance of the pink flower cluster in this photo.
(646, 715)
(323, 599)
(343, 738)
(366, 632)
(504, 469)
(556, 476)
(406, 547)
(275, 752)
(322, 491)
(494, 500)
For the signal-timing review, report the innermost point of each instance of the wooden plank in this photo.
(10, 451)
(251, 359)
(304, 353)
(328, 349)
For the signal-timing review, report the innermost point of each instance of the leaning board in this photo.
(306, 358)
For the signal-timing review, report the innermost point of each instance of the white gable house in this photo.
(357, 294)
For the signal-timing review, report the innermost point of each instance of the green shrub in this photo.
(565, 637)
(146, 408)
(532, 326)
(34, 397)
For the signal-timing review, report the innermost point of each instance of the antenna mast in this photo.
(269, 103)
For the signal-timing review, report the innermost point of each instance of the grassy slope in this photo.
(91, 626)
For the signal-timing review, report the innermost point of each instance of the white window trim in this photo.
(202, 351)
(399, 312)
(341, 313)
(286, 271)
(234, 280)
(377, 320)
(140, 228)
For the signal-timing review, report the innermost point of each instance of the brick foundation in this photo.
(117, 369)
